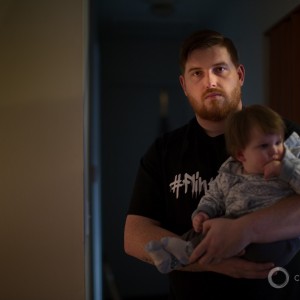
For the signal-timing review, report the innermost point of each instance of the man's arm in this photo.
(280, 221)
(140, 230)
(226, 238)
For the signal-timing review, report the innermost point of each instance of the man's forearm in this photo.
(279, 222)
(138, 232)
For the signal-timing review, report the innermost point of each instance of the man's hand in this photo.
(234, 267)
(240, 268)
(224, 238)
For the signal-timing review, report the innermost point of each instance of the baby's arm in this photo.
(198, 220)
(287, 168)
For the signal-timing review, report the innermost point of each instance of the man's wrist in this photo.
(246, 224)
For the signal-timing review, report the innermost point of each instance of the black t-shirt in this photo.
(172, 177)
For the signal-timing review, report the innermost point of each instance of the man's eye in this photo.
(220, 69)
(197, 73)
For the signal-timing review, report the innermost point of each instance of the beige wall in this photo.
(41, 146)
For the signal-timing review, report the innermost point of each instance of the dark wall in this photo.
(135, 69)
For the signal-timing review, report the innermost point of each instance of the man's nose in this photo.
(211, 80)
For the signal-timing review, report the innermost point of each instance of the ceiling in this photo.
(159, 15)
(157, 10)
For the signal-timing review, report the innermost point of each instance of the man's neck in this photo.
(212, 128)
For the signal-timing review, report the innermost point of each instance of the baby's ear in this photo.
(240, 156)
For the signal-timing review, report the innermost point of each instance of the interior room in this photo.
(86, 87)
(139, 46)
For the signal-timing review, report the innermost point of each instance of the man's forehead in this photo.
(208, 57)
(213, 52)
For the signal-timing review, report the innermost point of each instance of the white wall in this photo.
(41, 162)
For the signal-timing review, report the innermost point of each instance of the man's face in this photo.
(212, 83)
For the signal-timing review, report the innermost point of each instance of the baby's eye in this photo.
(264, 146)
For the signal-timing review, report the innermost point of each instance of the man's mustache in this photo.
(213, 91)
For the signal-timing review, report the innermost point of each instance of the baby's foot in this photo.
(163, 260)
(179, 248)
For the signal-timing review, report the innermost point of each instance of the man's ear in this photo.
(241, 73)
(182, 83)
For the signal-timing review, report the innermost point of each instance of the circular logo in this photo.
(278, 285)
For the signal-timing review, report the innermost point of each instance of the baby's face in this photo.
(261, 149)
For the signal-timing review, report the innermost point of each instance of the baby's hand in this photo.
(198, 220)
(272, 169)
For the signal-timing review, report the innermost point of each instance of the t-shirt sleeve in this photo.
(147, 195)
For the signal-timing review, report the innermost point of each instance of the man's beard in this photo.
(218, 110)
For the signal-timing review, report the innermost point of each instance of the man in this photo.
(177, 169)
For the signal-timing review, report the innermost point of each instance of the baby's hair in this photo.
(240, 123)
